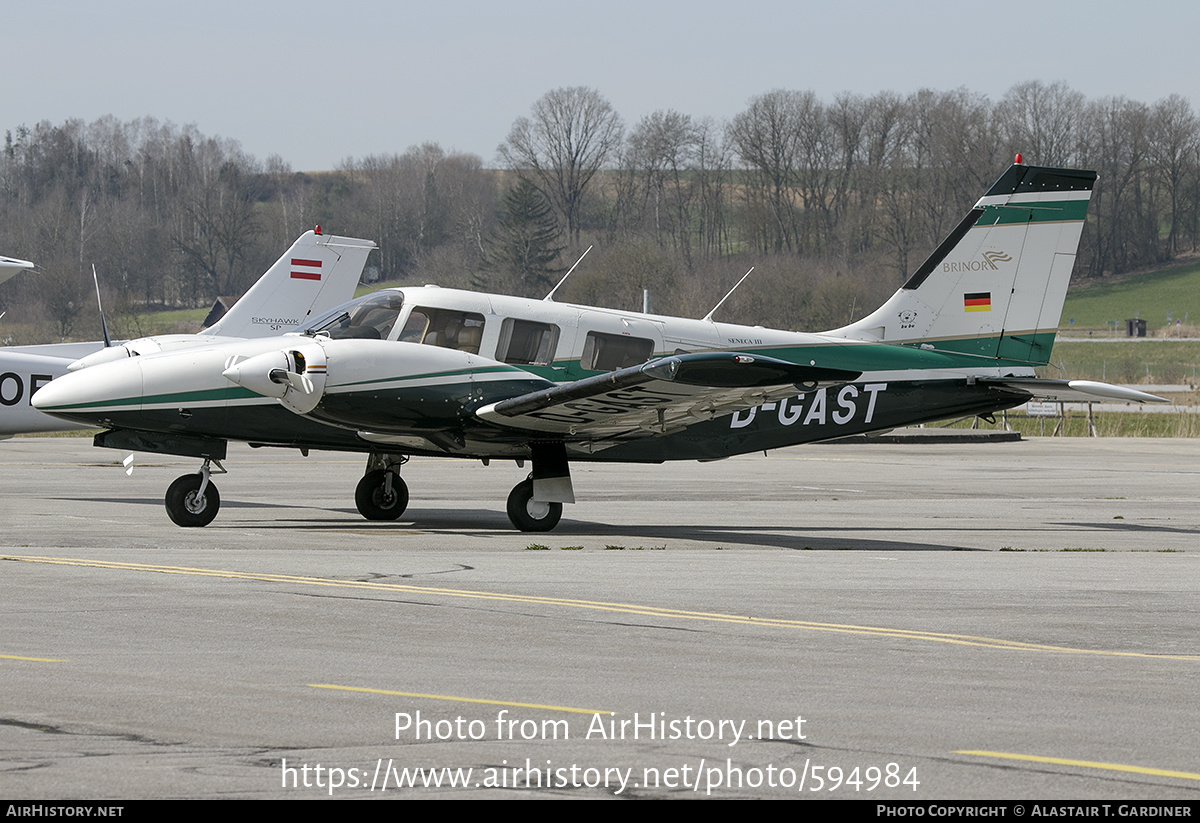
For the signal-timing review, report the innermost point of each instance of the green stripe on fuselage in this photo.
(201, 396)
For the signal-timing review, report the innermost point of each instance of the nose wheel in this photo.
(531, 515)
(192, 501)
(381, 495)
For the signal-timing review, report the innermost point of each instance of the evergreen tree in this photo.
(524, 248)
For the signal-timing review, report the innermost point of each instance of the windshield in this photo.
(371, 317)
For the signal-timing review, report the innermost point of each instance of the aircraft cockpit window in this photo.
(449, 329)
(372, 318)
(609, 352)
(525, 343)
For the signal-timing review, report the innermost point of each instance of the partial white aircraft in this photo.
(429, 371)
(10, 266)
(317, 273)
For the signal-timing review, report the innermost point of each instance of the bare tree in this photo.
(662, 150)
(1042, 122)
(1173, 145)
(1118, 133)
(218, 230)
(766, 137)
(569, 135)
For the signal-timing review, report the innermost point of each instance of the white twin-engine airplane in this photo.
(431, 371)
(316, 274)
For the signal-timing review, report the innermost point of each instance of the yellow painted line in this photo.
(461, 699)
(1088, 764)
(31, 659)
(603, 606)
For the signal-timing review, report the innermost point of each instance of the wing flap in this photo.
(660, 396)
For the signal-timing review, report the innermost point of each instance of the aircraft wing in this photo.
(1072, 391)
(660, 396)
(10, 266)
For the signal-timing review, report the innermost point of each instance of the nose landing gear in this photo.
(193, 501)
(381, 494)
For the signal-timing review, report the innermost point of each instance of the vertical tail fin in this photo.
(314, 275)
(995, 287)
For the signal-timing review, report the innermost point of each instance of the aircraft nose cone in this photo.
(58, 394)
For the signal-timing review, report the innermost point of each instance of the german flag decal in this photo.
(977, 301)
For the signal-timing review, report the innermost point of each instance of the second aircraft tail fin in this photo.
(317, 273)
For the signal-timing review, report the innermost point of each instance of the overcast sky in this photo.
(320, 82)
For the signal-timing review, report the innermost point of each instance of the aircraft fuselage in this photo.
(413, 390)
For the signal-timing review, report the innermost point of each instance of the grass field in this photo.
(1108, 424)
(1126, 360)
(1150, 296)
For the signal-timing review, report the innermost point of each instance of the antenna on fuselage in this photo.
(550, 296)
(708, 317)
(100, 306)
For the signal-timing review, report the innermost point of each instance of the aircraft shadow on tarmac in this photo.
(490, 522)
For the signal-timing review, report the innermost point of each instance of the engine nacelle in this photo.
(294, 376)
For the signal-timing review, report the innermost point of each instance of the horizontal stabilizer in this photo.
(660, 396)
(1073, 391)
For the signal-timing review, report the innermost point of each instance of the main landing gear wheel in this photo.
(531, 515)
(381, 495)
(187, 505)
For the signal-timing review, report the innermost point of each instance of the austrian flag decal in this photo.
(972, 301)
(309, 269)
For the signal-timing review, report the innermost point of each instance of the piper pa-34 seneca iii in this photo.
(430, 371)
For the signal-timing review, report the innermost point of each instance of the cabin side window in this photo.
(526, 343)
(449, 329)
(609, 352)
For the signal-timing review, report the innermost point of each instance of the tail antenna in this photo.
(550, 297)
(99, 305)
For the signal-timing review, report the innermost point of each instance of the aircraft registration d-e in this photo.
(430, 371)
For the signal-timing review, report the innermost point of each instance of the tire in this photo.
(185, 508)
(374, 503)
(529, 515)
